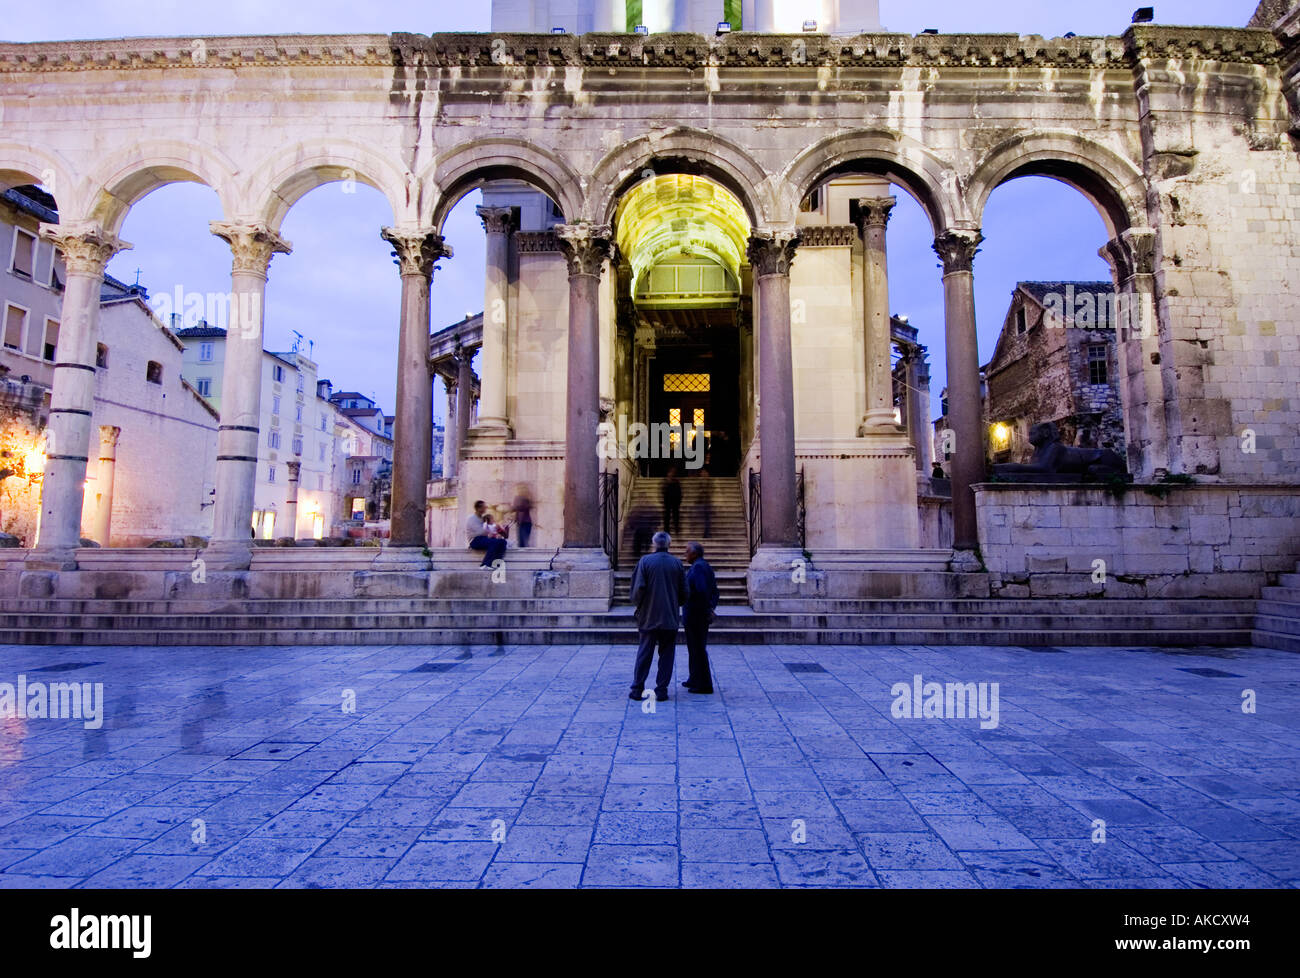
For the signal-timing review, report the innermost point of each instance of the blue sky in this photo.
(340, 289)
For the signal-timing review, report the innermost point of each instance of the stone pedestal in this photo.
(104, 479)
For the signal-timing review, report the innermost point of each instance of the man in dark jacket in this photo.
(658, 591)
(697, 615)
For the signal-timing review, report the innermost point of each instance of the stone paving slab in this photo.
(527, 766)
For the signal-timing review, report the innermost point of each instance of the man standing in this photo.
(672, 501)
(481, 538)
(697, 615)
(658, 591)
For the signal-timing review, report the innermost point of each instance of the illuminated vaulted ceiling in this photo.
(679, 215)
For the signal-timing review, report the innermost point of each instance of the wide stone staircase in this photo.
(509, 621)
(713, 512)
(1277, 623)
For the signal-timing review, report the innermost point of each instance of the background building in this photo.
(695, 16)
(152, 448)
(304, 425)
(1055, 361)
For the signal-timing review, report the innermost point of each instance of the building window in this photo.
(686, 383)
(24, 260)
(205, 353)
(153, 372)
(1097, 372)
(101, 356)
(277, 374)
(320, 482)
(356, 477)
(297, 446)
(275, 403)
(322, 422)
(1021, 320)
(273, 438)
(813, 202)
(204, 386)
(15, 326)
(298, 412)
(51, 338)
(270, 472)
(322, 452)
(300, 386)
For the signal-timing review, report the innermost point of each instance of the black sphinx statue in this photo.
(1051, 458)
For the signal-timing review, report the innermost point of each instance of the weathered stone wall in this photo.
(1188, 541)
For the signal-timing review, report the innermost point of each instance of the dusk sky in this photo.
(340, 288)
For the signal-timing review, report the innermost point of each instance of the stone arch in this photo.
(681, 150)
(886, 153)
(472, 164)
(23, 165)
(294, 171)
(1114, 184)
(131, 174)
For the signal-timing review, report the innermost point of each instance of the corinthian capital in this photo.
(252, 244)
(496, 220)
(417, 249)
(86, 246)
(871, 212)
(585, 246)
(956, 248)
(771, 252)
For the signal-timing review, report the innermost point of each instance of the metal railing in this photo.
(801, 511)
(755, 517)
(609, 515)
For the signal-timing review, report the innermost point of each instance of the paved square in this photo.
(529, 767)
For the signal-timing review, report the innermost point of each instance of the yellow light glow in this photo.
(1000, 435)
(680, 214)
(34, 460)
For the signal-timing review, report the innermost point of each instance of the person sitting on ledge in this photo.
(481, 536)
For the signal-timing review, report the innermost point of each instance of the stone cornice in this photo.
(690, 51)
(1223, 44)
(827, 235)
(536, 242)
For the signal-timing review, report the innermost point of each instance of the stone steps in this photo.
(1277, 621)
(361, 622)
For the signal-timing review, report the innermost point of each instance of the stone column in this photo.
(1141, 383)
(252, 247)
(86, 248)
(464, 396)
(956, 248)
(417, 249)
(871, 216)
(918, 409)
(585, 247)
(494, 420)
(770, 254)
(291, 501)
(450, 435)
(108, 435)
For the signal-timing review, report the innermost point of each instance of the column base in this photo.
(398, 559)
(581, 559)
(882, 426)
(490, 431)
(228, 555)
(51, 559)
(773, 557)
(965, 562)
